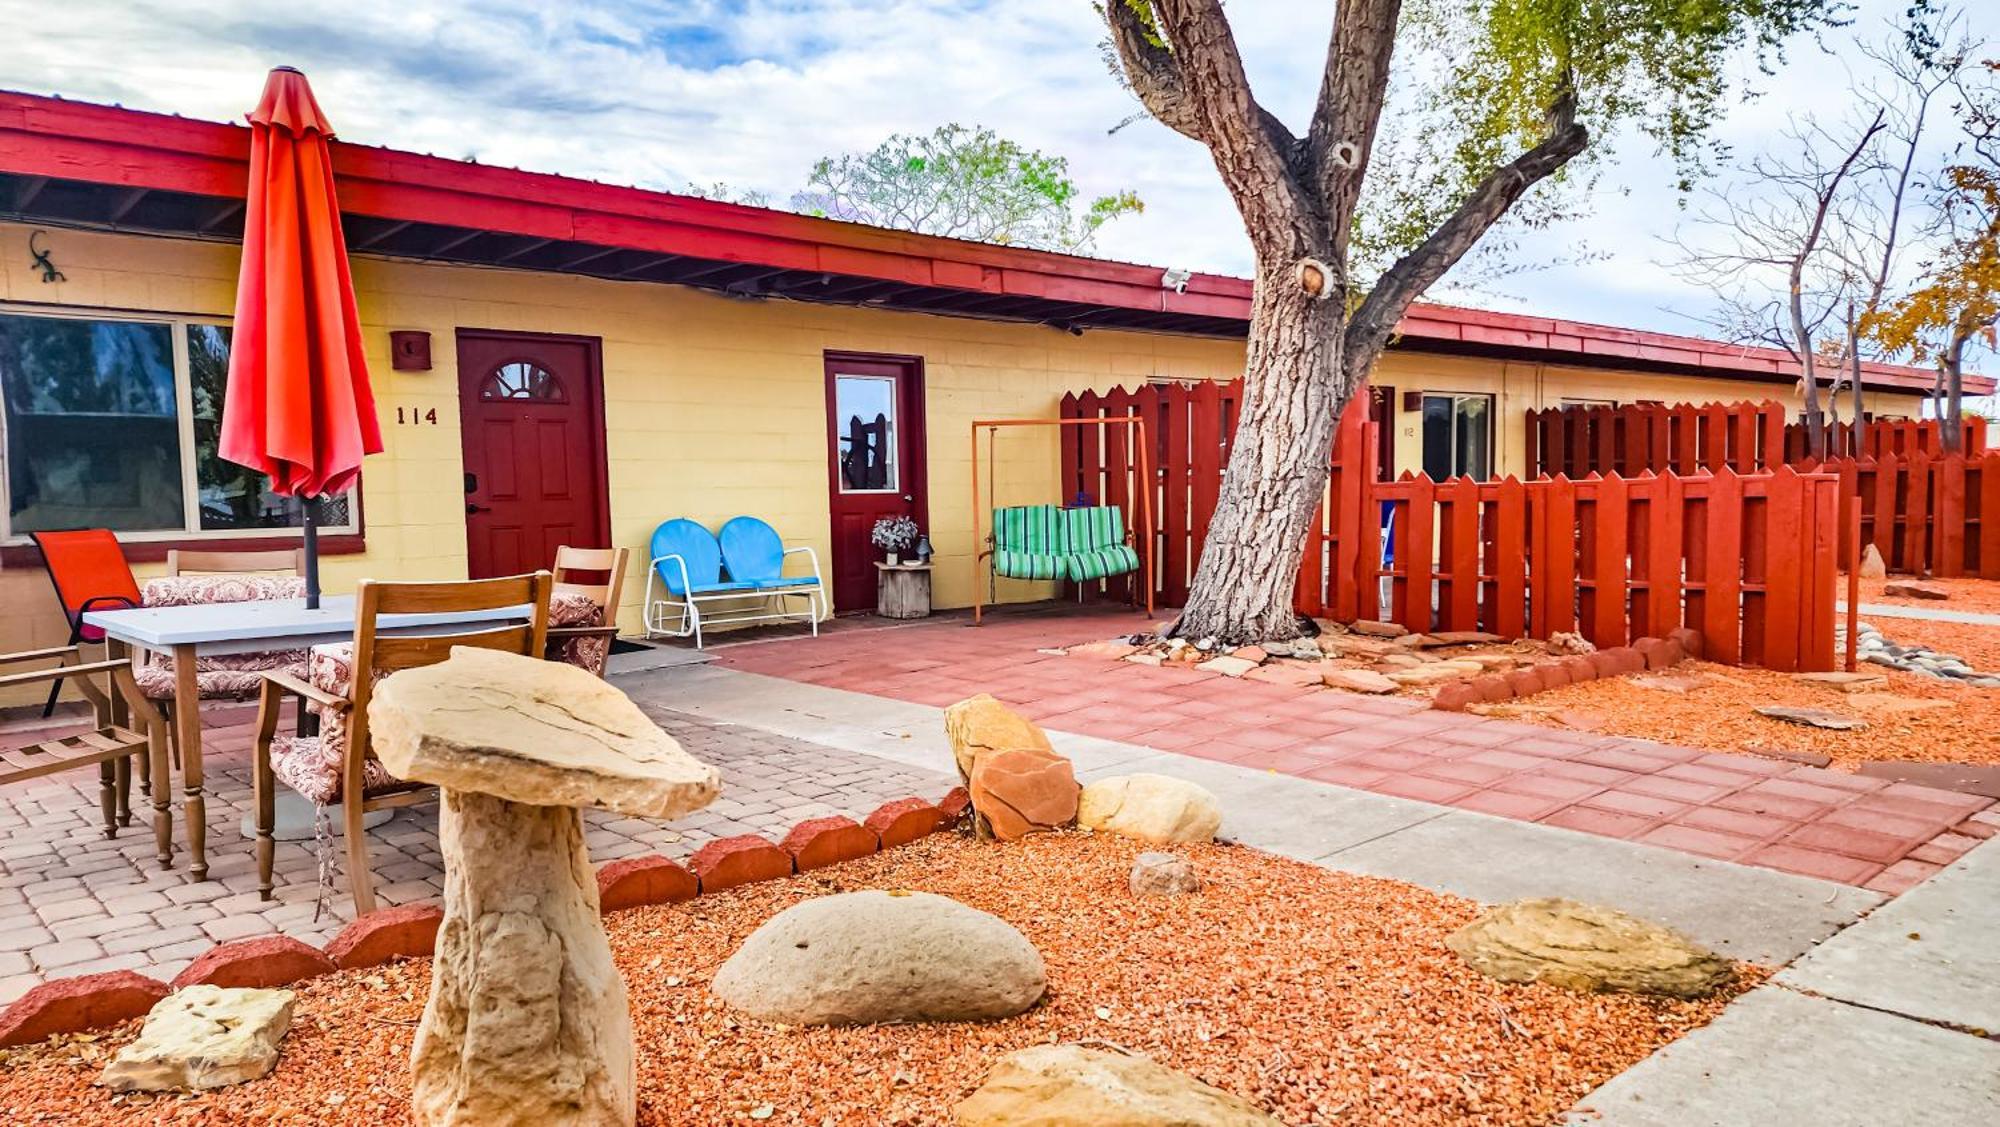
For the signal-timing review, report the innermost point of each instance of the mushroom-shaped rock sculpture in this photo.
(527, 1020)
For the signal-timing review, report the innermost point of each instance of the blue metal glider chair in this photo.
(689, 565)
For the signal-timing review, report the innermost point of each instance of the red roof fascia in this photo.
(112, 145)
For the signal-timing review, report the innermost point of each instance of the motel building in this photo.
(557, 361)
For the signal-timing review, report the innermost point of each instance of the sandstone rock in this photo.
(1906, 589)
(1116, 648)
(1435, 673)
(1151, 659)
(1377, 629)
(203, 1037)
(1162, 874)
(1356, 645)
(1071, 1086)
(859, 958)
(1461, 638)
(1019, 792)
(1564, 642)
(1291, 673)
(527, 1021)
(1588, 948)
(1669, 682)
(1872, 566)
(980, 725)
(1228, 666)
(1253, 654)
(1812, 717)
(1153, 808)
(1357, 680)
(1402, 661)
(538, 732)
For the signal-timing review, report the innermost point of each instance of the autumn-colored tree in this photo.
(1530, 81)
(1958, 299)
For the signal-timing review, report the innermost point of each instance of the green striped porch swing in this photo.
(1081, 543)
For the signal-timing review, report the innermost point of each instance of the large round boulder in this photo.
(1589, 948)
(859, 958)
(1155, 808)
(1071, 1086)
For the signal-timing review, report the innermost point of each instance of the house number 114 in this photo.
(411, 416)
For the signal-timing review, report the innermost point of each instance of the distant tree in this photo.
(966, 184)
(1957, 300)
(727, 193)
(1529, 81)
(1810, 234)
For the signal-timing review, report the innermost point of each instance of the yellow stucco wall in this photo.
(715, 406)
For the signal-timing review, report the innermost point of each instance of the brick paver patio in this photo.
(73, 902)
(1758, 811)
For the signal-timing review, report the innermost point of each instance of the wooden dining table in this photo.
(188, 633)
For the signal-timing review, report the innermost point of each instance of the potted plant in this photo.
(892, 535)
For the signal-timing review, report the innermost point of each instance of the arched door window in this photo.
(522, 379)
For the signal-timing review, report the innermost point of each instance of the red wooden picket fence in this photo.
(1888, 438)
(1684, 438)
(1748, 559)
(1935, 514)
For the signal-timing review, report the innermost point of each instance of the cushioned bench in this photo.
(1050, 542)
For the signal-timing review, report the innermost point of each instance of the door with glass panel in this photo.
(875, 462)
(1458, 436)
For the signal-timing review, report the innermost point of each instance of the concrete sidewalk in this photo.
(1891, 1021)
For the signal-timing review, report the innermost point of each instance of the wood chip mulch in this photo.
(1720, 714)
(1980, 596)
(1324, 997)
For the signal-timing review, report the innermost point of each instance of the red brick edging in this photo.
(74, 1005)
(1640, 656)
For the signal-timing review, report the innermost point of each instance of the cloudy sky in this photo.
(750, 92)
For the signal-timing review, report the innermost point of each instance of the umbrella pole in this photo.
(312, 555)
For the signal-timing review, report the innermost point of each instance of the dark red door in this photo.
(531, 417)
(875, 461)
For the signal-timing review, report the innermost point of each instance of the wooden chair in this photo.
(287, 560)
(337, 765)
(583, 616)
(110, 745)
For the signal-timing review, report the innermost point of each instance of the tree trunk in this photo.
(1278, 467)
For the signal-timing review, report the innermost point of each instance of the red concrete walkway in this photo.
(1757, 811)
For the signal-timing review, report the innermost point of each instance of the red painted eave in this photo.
(42, 136)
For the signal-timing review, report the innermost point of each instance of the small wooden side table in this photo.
(902, 590)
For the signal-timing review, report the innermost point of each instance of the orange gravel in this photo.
(1720, 715)
(1980, 596)
(1324, 997)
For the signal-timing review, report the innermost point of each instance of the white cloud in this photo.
(751, 92)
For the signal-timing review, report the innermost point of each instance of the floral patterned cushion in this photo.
(226, 675)
(572, 609)
(312, 765)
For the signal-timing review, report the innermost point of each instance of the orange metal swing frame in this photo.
(1141, 462)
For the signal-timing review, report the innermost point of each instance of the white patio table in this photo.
(186, 633)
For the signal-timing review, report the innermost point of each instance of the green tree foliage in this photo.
(963, 183)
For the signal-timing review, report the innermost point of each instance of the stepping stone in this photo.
(1843, 680)
(1460, 638)
(1357, 681)
(1905, 589)
(1812, 717)
(1227, 666)
(1966, 778)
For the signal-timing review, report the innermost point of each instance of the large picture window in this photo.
(113, 422)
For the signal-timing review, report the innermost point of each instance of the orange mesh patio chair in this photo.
(90, 573)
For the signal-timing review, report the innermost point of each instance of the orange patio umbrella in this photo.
(298, 408)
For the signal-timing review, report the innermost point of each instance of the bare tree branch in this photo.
(1372, 323)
